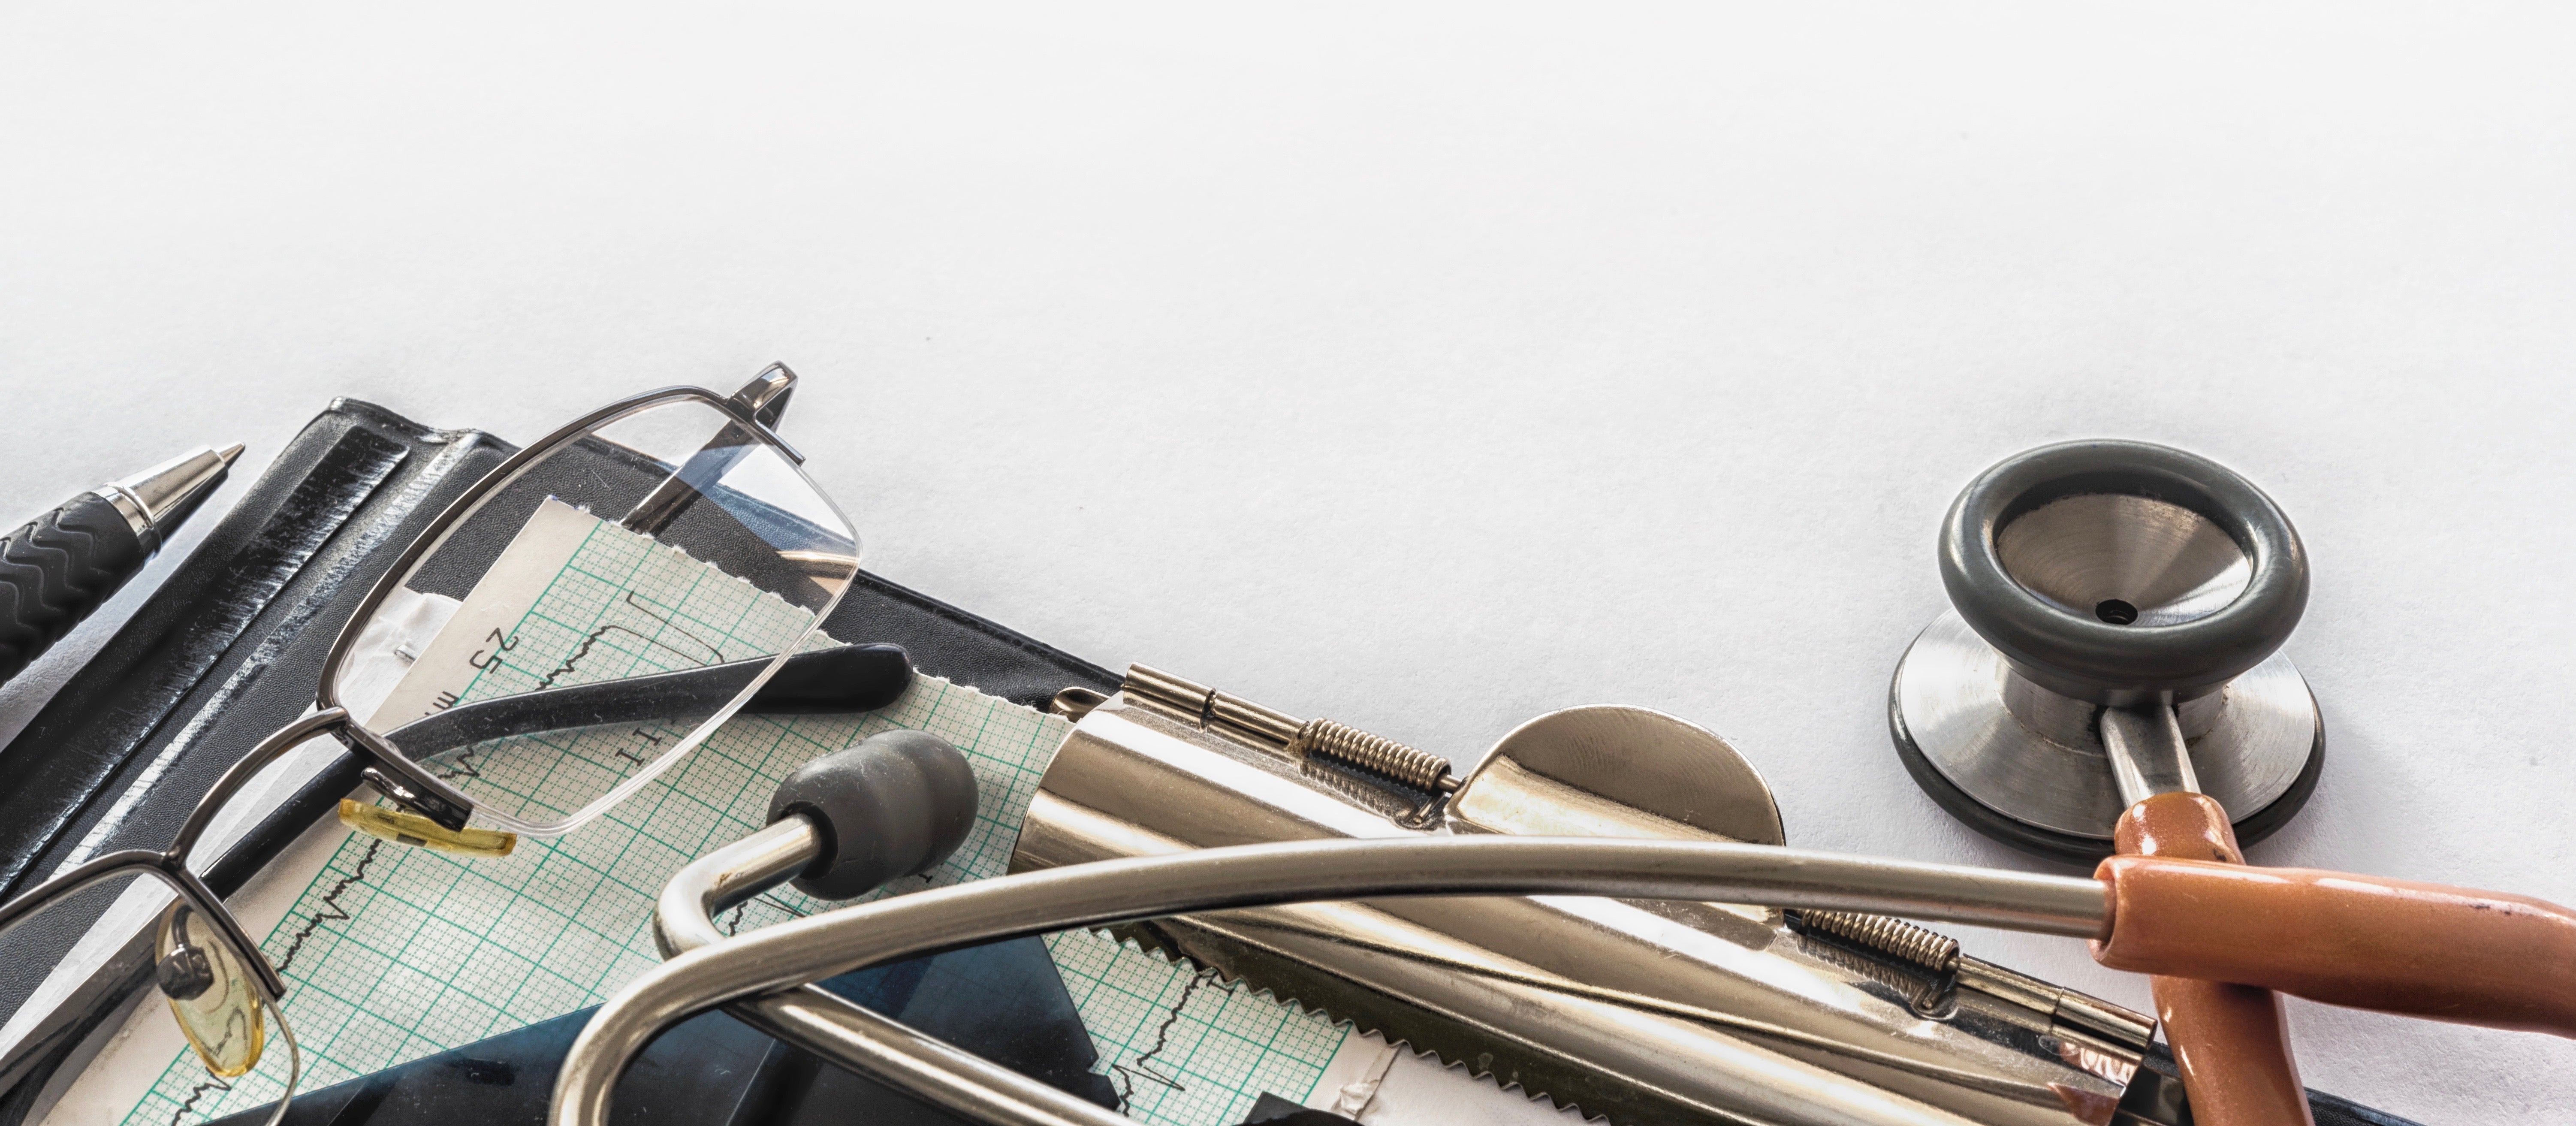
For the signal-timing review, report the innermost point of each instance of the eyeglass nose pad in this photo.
(183, 974)
(210, 992)
(2094, 574)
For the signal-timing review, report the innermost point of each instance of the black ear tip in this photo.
(895, 805)
(838, 680)
(878, 673)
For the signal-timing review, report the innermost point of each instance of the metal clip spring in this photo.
(1318, 738)
(1376, 754)
(1931, 950)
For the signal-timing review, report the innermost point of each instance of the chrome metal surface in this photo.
(147, 499)
(2032, 755)
(2126, 560)
(2071, 1015)
(2148, 756)
(684, 916)
(1618, 772)
(1243, 717)
(1762, 1069)
(763, 401)
(1280, 733)
(765, 397)
(1930, 950)
(1376, 754)
(1075, 702)
(1593, 1002)
(1958, 981)
(1189, 698)
(965, 1084)
(835, 1029)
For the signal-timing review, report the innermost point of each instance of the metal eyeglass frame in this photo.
(755, 409)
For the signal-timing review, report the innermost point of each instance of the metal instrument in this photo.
(830, 1026)
(1644, 1010)
(2109, 680)
(1649, 1011)
(2088, 579)
(807, 949)
(894, 805)
(1604, 911)
(1738, 1017)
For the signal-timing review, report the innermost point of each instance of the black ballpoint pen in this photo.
(61, 566)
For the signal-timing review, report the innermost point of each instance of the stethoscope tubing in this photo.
(1097, 894)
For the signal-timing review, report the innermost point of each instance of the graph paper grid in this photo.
(1184, 1048)
(395, 953)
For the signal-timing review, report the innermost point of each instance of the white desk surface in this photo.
(1429, 369)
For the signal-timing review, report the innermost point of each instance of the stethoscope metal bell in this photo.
(2108, 574)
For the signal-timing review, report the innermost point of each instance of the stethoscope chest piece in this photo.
(2104, 574)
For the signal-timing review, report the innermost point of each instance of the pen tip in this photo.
(229, 453)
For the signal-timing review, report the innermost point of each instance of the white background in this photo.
(1431, 368)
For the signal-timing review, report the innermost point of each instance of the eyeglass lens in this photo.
(670, 538)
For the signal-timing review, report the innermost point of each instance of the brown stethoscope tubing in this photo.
(2231, 1042)
(2422, 950)
(2221, 937)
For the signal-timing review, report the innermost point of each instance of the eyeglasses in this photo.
(669, 557)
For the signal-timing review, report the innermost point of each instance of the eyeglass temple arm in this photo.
(764, 399)
(758, 406)
(841, 679)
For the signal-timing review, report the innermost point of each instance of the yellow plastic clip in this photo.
(405, 828)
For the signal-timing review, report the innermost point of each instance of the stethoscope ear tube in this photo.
(793, 953)
(2415, 949)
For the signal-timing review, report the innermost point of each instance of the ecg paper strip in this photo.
(577, 600)
(395, 953)
(1185, 1048)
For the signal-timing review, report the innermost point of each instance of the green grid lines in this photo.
(622, 606)
(439, 951)
(1186, 1049)
(395, 953)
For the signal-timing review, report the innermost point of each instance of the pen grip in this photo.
(57, 568)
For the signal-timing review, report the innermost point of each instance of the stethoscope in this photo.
(2131, 598)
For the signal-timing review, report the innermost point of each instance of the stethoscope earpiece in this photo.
(2097, 574)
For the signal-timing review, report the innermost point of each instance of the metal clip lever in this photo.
(1295, 738)
(1653, 1012)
